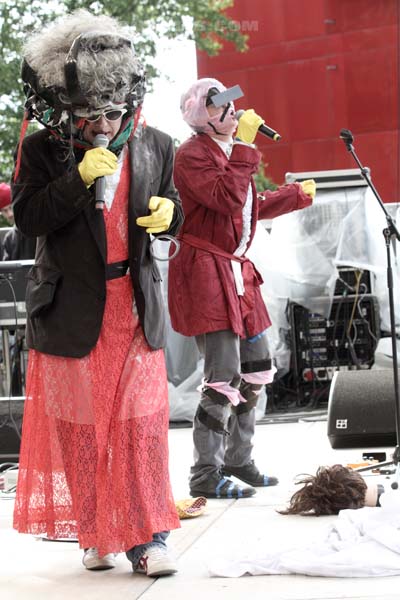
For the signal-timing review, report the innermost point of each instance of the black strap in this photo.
(215, 396)
(245, 407)
(254, 366)
(71, 74)
(210, 422)
(106, 41)
(117, 269)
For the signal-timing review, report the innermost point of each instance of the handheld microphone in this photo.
(100, 141)
(264, 129)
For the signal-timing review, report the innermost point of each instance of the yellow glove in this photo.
(248, 126)
(96, 163)
(309, 187)
(162, 210)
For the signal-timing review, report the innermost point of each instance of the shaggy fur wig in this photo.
(327, 492)
(105, 72)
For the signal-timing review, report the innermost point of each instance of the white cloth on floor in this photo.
(360, 543)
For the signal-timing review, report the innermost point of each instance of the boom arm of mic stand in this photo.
(365, 173)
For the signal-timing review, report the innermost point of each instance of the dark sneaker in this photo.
(250, 475)
(222, 488)
(94, 562)
(155, 562)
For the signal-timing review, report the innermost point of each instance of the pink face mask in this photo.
(226, 127)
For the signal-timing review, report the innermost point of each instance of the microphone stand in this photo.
(390, 233)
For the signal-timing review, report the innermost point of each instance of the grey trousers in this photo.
(222, 433)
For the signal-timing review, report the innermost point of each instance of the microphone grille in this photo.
(346, 134)
(100, 141)
(239, 113)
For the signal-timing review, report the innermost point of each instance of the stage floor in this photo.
(33, 569)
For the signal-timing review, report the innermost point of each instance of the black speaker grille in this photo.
(361, 409)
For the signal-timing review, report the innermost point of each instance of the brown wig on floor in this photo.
(327, 492)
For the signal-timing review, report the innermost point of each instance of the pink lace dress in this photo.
(94, 451)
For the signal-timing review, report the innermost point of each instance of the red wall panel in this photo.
(361, 14)
(372, 92)
(315, 67)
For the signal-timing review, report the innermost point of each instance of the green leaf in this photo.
(262, 181)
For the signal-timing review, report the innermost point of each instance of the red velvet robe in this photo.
(201, 288)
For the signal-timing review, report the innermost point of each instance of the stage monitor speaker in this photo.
(361, 409)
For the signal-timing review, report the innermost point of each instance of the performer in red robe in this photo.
(214, 289)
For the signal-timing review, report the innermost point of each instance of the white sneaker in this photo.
(155, 562)
(94, 562)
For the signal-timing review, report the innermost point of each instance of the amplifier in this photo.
(13, 279)
(12, 314)
(350, 278)
(347, 338)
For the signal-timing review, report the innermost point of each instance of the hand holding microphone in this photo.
(250, 124)
(96, 163)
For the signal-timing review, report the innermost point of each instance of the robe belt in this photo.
(197, 242)
(249, 271)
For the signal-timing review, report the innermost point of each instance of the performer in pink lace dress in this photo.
(94, 453)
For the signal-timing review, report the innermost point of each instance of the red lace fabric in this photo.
(94, 452)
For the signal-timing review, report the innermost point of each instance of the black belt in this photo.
(117, 269)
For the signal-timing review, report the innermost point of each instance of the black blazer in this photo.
(66, 288)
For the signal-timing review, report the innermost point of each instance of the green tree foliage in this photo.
(3, 222)
(262, 181)
(148, 18)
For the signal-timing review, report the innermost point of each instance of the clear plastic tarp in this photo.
(299, 260)
(184, 363)
(342, 228)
